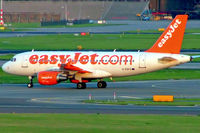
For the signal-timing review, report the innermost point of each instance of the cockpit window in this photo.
(13, 59)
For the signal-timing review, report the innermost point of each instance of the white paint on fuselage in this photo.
(142, 62)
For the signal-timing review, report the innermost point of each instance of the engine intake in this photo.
(50, 77)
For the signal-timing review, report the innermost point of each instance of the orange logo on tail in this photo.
(170, 32)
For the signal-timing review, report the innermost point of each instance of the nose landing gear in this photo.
(30, 85)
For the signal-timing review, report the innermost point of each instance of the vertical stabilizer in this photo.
(171, 39)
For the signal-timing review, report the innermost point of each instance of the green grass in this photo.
(8, 78)
(6, 56)
(163, 75)
(13, 29)
(158, 75)
(146, 102)
(196, 60)
(37, 25)
(97, 123)
(25, 25)
(93, 41)
(78, 25)
(197, 30)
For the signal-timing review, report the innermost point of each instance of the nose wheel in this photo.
(30, 85)
(101, 84)
(81, 85)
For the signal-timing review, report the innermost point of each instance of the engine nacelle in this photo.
(50, 77)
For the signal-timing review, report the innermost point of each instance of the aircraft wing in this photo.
(89, 73)
(71, 67)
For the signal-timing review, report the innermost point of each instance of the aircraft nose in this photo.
(5, 67)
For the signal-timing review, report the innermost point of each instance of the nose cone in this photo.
(5, 67)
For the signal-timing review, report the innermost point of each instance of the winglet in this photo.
(171, 39)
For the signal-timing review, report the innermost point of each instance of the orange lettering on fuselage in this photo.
(113, 60)
(43, 59)
(93, 58)
(83, 59)
(53, 59)
(33, 59)
(63, 58)
(76, 57)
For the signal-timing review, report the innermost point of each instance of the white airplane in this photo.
(79, 67)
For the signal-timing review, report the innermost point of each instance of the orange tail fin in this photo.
(171, 39)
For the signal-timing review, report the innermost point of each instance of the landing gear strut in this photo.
(81, 85)
(30, 84)
(101, 84)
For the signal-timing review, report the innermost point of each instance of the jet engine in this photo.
(50, 77)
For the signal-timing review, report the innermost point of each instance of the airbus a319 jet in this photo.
(52, 67)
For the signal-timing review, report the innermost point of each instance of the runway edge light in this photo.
(163, 98)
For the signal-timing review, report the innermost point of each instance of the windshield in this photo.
(13, 59)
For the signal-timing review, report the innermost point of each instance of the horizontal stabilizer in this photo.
(195, 56)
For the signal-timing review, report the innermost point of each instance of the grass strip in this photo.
(163, 75)
(38, 25)
(6, 56)
(6, 78)
(13, 29)
(147, 102)
(97, 123)
(92, 41)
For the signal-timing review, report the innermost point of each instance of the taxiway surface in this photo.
(118, 28)
(64, 98)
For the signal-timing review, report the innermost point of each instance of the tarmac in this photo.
(65, 98)
(121, 26)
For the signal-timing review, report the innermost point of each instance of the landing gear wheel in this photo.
(101, 84)
(29, 85)
(81, 85)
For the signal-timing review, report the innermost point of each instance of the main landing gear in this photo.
(30, 84)
(81, 85)
(100, 84)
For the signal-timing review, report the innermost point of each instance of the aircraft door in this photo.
(25, 62)
(142, 60)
